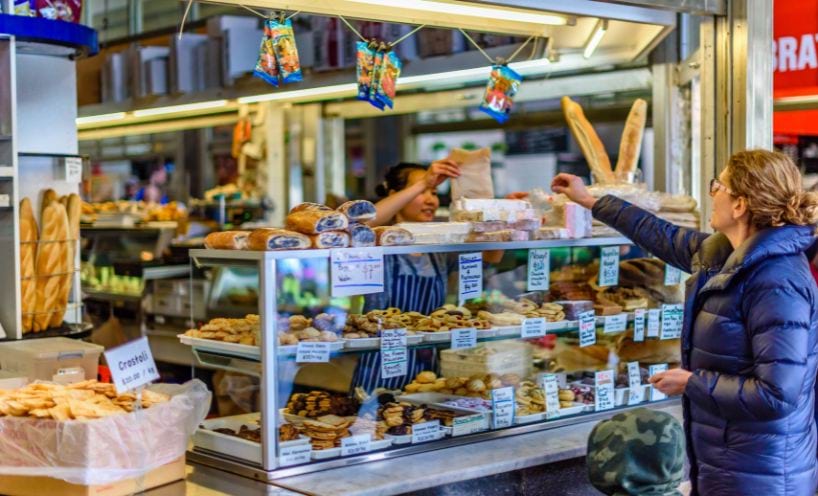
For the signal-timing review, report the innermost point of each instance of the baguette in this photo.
(589, 142)
(316, 221)
(73, 206)
(28, 251)
(301, 207)
(277, 239)
(227, 240)
(631, 144)
(51, 258)
(49, 195)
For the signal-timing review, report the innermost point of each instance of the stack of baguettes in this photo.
(47, 259)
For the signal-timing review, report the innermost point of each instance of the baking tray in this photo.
(375, 343)
(508, 331)
(206, 438)
(436, 337)
(243, 350)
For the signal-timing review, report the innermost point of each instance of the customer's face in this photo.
(724, 215)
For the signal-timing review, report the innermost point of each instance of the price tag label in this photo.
(471, 276)
(469, 424)
(636, 393)
(655, 394)
(73, 169)
(672, 318)
(609, 266)
(463, 339)
(673, 276)
(312, 352)
(426, 431)
(394, 356)
(357, 271)
(539, 270)
(615, 323)
(502, 404)
(653, 323)
(294, 455)
(550, 385)
(533, 327)
(604, 396)
(587, 329)
(638, 325)
(355, 445)
(131, 365)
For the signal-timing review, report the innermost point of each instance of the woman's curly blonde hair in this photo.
(771, 183)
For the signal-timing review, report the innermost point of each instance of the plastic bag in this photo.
(63, 10)
(289, 66)
(475, 180)
(365, 67)
(106, 450)
(377, 71)
(266, 67)
(502, 86)
(390, 70)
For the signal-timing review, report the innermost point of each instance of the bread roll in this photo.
(277, 239)
(361, 236)
(332, 239)
(303, 207)
(227, 240)
(358, 210)
(73, 206)
(631, 144)
(393, 236)
(316, 221)
(51, 259)
(589, 142)
(28, 251)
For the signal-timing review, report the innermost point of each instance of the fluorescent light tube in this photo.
(333, 91)
(94, 119)
(173, 109)
(593, 42)
(471, 10)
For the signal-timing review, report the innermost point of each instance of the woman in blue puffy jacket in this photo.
(750, 335)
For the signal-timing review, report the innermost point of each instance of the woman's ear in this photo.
(740, 208)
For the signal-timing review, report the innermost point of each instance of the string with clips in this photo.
(282, 15)
(382, 45)
(497, 60)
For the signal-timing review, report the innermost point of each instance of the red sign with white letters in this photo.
(795, 62)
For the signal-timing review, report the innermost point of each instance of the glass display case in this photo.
(359, 354)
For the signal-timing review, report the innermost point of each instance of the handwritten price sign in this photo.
(471, 276)
(356, 271)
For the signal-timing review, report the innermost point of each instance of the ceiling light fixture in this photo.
(95, 119)
(174, 109)
(596, 37)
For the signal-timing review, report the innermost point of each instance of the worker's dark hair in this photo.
(396, 178)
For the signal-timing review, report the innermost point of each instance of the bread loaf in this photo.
(358, 210)
(73, 206)
(51, 259)
(28, 251)
(392, 236)
(590, 144)
(316, 221)
(49, 195)
(277, 239)
(631, 144)
(361, 236)
(331, 239)
(302, 207)
(227, 240)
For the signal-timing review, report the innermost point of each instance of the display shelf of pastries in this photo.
(240, 436)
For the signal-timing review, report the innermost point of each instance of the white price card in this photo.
(587, 329)
(673, 276)
(638, 325)
(655, 394)
(294, 455)
(533, 327)
(604, 395)
(609, 266)
(356, 271)
(355, 445)
(636, 393)
(73, 169)
(615, 323)
(550, 385)
(131, 365)
(426, 431)
(463, 339)
(312, 352)
(539, 270)
(672, 318)
(470, 276)
(653, 323)
(469, 424)
(394, 356)
(502, 405)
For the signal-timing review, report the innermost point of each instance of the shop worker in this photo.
(637, 453)
(750, 328)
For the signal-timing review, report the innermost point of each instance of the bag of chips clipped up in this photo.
(502, 86)
(390, 70)
(266, 67)
(377, 72)
(365, 67)
(289, 66)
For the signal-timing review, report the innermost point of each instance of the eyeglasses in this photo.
(716, 185)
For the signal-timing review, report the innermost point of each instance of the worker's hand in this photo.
(573, 187)
(671, 382)
(439, 171)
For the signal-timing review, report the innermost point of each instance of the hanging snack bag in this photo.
(502, 86)
(285, 50)
(365, 67)
(390, 70)
(377, 72)
(266, 67)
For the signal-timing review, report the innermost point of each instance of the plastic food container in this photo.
(48, 359)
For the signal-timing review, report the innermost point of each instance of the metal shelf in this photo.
(42, 36)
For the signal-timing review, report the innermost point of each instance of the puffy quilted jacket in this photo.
(750, 337)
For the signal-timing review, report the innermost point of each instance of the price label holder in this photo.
(604, 395)
(636, 393)
(132, 365)
(294, 455)
(533, 328)
(653, 323)
(73, 169)
(394, 355)
(673, 276)
(469, 424)
(639, 325)
(356, 271)
(609, 266)
(355, 445)
(470, 276)
(672, 318)
(587, 329)
(312, 352)
(550, 385)
(426, 431)
(463, 339)
(655, 394)
(502, 404)
(539, 270)
(615, 323)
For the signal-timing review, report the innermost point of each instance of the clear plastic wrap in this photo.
(636, 194)
(105, 450)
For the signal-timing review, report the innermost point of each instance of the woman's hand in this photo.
(671, 382)
(439, 171)
(573, 187)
